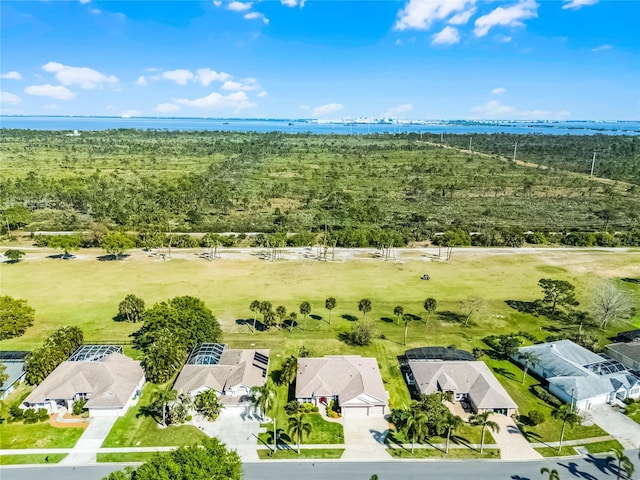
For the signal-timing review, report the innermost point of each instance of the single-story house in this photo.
(626, 353)
(579, 376)
(468, 381)
(354, 382)
(231, 373)
(13, 362)
(110, 384)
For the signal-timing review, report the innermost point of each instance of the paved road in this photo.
(587, 468)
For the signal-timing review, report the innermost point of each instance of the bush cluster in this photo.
(540, 392)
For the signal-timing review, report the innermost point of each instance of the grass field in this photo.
(137, 430)
(38, 435)
(124, 457)
(31, 459)
(86, 292)
(435, 453)
(324, 453)
(597, 447)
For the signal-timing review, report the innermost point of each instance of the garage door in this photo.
(354, 412)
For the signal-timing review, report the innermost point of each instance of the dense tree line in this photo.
(55, 350)
(361, 190)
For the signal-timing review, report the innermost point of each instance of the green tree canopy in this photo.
(208, 404)
(15, 317)
(557, 292)
(131, 308)
(16, 217)
(211, 461)
(364, 305)
(13, 255)
(55, 350)
(117, 243)
(66, 243)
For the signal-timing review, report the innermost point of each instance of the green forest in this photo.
(356, 189)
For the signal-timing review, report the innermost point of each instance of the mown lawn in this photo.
(124, 457)
(137, 430)
(510, 376)
(435, 453)
(325, 453)
(31, 459)
(37, 435)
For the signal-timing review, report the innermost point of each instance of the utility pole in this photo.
(515, 150)
(470, 138)
(441, 135)
(593, 163)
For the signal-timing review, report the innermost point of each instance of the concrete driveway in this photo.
(237, 430)
(84, 451)
(511, 442)
(364, 438)
(617, 424)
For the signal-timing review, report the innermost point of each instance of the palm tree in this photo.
(567, 415)
(416, 426)
(255, 308)
(530, 360)
(305, 309)
(263, 398)
(293, 316)
(451, 423)
(407, 319)
(398, 311)
(281, 312)
(623, 463)
(553, 474)
(483, 419)
(160, 401)
(330, 304)
(289, 370)
(265, 310)
(430, 304)
(364, 306)
(298, 427)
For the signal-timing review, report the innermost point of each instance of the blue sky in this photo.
(414, 59)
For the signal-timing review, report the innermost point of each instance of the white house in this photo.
(110, 384)
(579, 376)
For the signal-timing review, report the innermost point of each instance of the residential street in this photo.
(587, 468)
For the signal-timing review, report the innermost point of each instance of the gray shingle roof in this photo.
(109, 382)
(235, 367)
(562, 358)
(352, 378)
(472, 378)
(629, 350)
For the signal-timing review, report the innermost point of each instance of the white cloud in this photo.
(498, 91)
(256, 16)
(576, 4)
(85, 1)
(504, 38)
(239, 6)
(205, 76)
(420, 14)
(47, 90)
(398, 110)
(7, 98)
(217, 3)
(215, 101)
(95, 11)
(166, 108)
(292, 3)
(328, 109)
(462, 17)
(247, 85)
(142, 81)
(263, 94)
(448, 36)
(496, 110)
(602, 48)
(11, 76)
(180, 76)
(85, 77)
(130, 113)
(509, 17)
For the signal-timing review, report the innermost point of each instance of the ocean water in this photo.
(311, 126)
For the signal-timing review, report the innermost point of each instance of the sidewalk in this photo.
(85, 449)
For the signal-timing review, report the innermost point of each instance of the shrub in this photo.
(43, 414)
(545, 396)
(292, 407)
(16, 412)
(535, 417)
(78, 406)
(360, 335)
(30, 416)
(307, 407)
